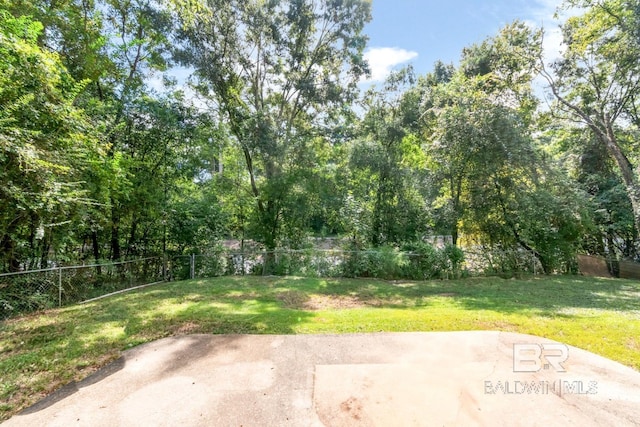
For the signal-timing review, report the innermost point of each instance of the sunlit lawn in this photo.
(41, 352)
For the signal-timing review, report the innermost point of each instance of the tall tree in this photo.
(384, 159)
(71, 28)
(115, 47)
(477, 118)
(586, 160)
(473, 141)
(597, 81)
(138, 47)
(45, 141)
(278, 72)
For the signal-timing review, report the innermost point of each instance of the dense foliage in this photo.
(107, 152)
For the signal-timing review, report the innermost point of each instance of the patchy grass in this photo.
(43, 351)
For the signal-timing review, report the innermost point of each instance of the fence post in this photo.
(192, 266)
(59, 286)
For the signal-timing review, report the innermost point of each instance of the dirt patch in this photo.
(298, 300)
(293, 299)
(447, 294)
(323, 302)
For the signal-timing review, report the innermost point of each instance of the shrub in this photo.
(387, 263)
(508, 262)
(454, 257)
(425, 262)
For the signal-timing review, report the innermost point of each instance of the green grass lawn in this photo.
(43, 351)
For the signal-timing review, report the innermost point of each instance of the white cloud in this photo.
(382, 60)
(545, 14)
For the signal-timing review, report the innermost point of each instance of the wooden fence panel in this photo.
(629, 270)
(590, 265)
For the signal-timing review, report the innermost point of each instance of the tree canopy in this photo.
(104, 154)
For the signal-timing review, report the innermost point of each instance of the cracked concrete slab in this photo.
(409, 379)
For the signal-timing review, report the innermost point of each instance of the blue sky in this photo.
(421, 32)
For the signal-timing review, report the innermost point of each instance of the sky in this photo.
(421, 32)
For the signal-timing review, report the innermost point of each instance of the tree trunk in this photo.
(602, 127)
(132, 239)
(454, 234)
(380, 230)
(629, 176)
(7, 248)
(96, 250)
(516, 234)
(115, 235)
(270, 218)
(44, 255)
(456, 192)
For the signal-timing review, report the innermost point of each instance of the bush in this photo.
(385, 262)
(417, 261)
(286, 264)
(213, 264)
(454, 257)
(355, 262)
(425, 262)
(282, 263)
(508, 262)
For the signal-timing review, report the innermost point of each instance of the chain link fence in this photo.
(32, 290)
(489, 261)
(27, 291)
(383, 264)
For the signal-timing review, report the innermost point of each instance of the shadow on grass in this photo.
(543, 294)
(549, 295)
(554, 295)
(86, 337)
